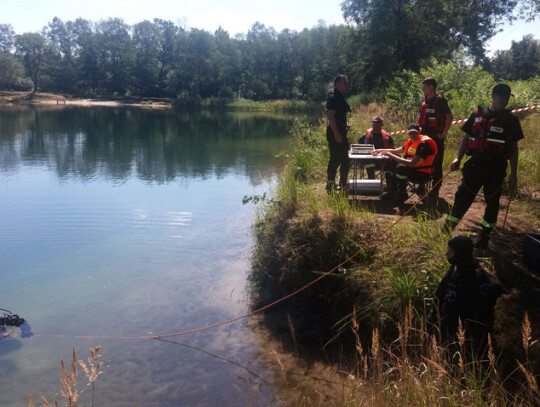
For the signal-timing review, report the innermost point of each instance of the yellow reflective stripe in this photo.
(401, 176)
(452, 219)
(411, 150)
(487, 224)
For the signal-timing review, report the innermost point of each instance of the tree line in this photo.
(160, 59)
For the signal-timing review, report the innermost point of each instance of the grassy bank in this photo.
(302, 233)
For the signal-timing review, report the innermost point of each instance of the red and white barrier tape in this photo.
(522, 109)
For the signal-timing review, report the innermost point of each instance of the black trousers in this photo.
(339, 158)
(438, 162)
(398, 174)
(478, 171)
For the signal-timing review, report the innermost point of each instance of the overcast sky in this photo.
(235, 16)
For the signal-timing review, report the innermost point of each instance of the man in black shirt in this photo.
(377, 136)
(435, 118)
(336, 134)
(491, 139)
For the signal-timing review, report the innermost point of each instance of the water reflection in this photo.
(128, 222)
(156, 146)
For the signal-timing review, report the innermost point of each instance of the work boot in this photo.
(421, 190)
(343, 189)
(482, 241)
(391, 182)
(401, 195)
(330, 187)
(434, 194)
(386, 196)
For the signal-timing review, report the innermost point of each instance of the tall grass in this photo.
(304, 232)
(273, 105)
(70, 391)
(416, 370)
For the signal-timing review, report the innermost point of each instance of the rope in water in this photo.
(251, 313)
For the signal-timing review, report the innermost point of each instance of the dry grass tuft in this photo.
(531, 380)
(526, 335)
(68, 378)
(417, 370)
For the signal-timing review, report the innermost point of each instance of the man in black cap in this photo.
(491, 139)
(417, 163)
(468, 293)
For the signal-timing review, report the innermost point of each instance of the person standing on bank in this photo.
(491, 139)
(336, 134)
(379, 138)
(435, 118)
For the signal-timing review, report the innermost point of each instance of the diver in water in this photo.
(468, 293)
(9, 319)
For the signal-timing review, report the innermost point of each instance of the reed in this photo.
(69, 390)
(425, 373)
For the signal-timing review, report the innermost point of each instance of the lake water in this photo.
(126, 222)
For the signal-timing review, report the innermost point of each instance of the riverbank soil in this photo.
(40, 98)
(302, 326)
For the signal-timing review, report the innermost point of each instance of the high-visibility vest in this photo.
(425, 164)
(385, 137)
(429, 117)
(489, 134)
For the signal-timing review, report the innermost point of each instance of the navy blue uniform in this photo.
(339, 152)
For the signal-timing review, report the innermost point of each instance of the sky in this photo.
(235, 16)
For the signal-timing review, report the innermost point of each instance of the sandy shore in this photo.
(22, 98)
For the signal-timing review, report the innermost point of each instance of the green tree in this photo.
(116, 55)
(7, 37)
(31, 47)
(521, 61)
(462, 83)
(525, 58)
(406, 34)
(62, 70)
(146, 37)
(227, 60)
(167, 39)
(12, 74)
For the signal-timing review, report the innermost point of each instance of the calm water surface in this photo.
(130, 223)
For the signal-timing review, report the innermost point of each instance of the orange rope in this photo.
(326, 274)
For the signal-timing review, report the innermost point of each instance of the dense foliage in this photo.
(160, 59)
(464, 85)
(522, 59)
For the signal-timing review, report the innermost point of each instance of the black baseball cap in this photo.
(502, 89)
(414, 127)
